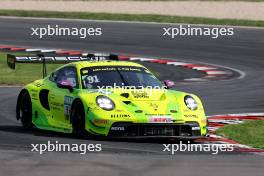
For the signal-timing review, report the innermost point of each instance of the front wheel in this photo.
(25, 111)
(78, 119)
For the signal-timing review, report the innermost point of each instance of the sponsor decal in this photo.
(138, 94)
(56, 105)
(67, 106)
(153, 105)
(190, 116)
(34, 94)
(118, 128)
(38, 84)
(160, 119)
(59, 58)
(119, 68)
(120, 115)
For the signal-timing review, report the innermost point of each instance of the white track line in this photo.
(176, 63)
(216, 72)
(204, 68)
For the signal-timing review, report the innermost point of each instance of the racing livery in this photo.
(108, 98)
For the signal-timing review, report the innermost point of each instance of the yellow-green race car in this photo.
(101, 96)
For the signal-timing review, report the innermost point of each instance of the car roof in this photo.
(83, 64)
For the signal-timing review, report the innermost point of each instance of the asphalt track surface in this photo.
(243, 51)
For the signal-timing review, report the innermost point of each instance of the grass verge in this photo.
(23, 74)
(250, 133)
(131, 17)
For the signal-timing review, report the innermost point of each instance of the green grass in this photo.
(23, 74)
(250, 133)
(131, 17)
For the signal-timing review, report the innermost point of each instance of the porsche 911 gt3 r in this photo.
(108, 98)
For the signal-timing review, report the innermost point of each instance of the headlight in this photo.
(190, 102)
(105, 103)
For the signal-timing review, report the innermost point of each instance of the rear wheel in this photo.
(78, 119)
(25, 111)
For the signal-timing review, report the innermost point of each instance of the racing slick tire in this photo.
(78, 120)
(24, 110)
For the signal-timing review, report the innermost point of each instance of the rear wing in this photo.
(56, 59)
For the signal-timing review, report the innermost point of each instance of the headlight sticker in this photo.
(105, 103)
(190, 102)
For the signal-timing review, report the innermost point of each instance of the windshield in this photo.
(121, 76)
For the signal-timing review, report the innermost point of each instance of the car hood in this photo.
(155, 102)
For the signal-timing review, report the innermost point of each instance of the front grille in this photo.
(158, 131)
(130, 129)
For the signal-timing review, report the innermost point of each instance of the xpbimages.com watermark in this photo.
(143, 90)
(56, 30)
(62, 147)
(211, 148)
(188, 30)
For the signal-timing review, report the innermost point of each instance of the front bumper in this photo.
(190, 130)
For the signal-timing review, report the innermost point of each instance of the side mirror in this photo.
(65, 85)
(169, 83)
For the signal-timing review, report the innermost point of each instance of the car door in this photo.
(61, 99)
